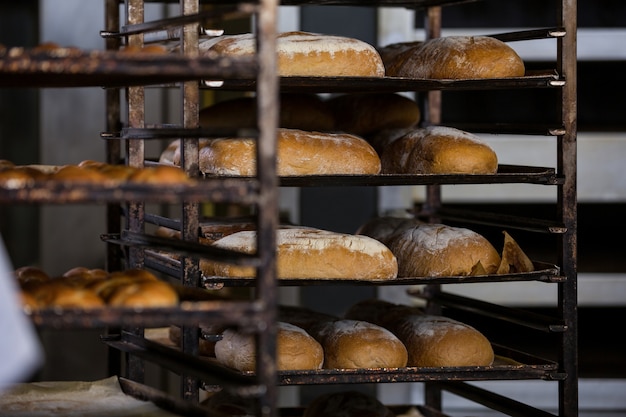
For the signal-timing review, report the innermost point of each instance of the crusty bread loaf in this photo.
(438, 150)
(346, 404)
(364, 114)
(296, 111)
(299, 152)
(431, 340)
(439, 250)
(382, 227)
(311, 253)
(348, 344)
(307, 54)
(457, 57)
(295, 349)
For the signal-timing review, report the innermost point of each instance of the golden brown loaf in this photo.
(311, 253)
(296, 111)
(438, 150)
(348, 344)
(457, 57)
(307, 54)
(366, 113)
(299, 152)
(439, 250)
(346, 404)
(295, 349)
(431, 340)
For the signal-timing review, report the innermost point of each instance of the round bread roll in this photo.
(435, 250)
(356, 344)
(363, 114)
(438, 150)
(162, 174)
(299, 152)
(311, 253)
(57, 293)
(430, 340)
(306, 54)
(382, 227)
(30, 275)
(295, 350)
(74, 173)
(457, 57)
(297, 111)
(143, 294)
(346, 404)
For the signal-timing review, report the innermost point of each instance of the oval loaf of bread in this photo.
(457, 57)
(311, 253)
(440, 250)
(295, 349)
(307, 54)
(438, 150)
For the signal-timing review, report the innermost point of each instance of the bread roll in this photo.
(346, 404)
(363, 114)
(431, 340)
(434, 250)
(299, 152)
(438, 150)
(74, 173)
(162, 174)
(57, 293)
(457, 57)
(143, 294)
(296, 111)
(295, 349)
(311, 253)
(306, 54)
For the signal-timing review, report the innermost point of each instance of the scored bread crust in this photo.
(295, 349)
(441, 250)
(311, 253)
(457, 57)
(438, 150)
(299, 152)
(307, 54)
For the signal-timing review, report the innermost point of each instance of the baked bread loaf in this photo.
(457, 57)
(295, 350)
(346, 404)
(438, 150)
(348, 344)
(364, 114)
(296, 111)
(299, 152)
(382, 227)
(435, 250)
(311, 253)
(432, 340)
(306, 54)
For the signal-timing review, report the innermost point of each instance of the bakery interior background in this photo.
(58, 126)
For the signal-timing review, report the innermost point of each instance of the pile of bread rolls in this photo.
(89, 172)
(85, 288)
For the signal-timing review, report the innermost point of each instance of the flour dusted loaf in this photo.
(295, 350)
(296, 111)
(440, 250)
(431, 340)
(311, 253)
(456, 57)
(346, 404)
(438, 150)
(382, 227)
(349, 344)
(364, 114)
(299, 152)
(307, 54)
